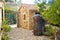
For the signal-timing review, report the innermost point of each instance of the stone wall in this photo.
(31, 22)
(26, 18)
(23, 17)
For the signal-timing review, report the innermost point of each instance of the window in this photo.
(24, 17)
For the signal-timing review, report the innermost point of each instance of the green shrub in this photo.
(51, 13)
(51, 30)
(6, 37)
(5, 29)
(11, 18)
(47, 34)
(5, 26)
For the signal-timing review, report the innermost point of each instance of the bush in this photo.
(51, 30)
(5, 26)
(11, 18)
(6, 37)
(51, 13)
(5, 29)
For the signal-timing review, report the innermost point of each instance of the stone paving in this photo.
(24, 34)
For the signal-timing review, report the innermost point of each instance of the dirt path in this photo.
(24, 34)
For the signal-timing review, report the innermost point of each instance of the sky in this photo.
(28, 1)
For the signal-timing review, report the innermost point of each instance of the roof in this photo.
(29, 6)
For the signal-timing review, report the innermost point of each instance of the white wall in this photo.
(1, 7)
(0, 17)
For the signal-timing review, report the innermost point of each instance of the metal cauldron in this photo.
(39, 23)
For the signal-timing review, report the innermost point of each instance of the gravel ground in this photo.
(24, 34)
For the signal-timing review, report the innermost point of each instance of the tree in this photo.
(52, 14)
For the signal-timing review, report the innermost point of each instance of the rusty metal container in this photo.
(38, 24)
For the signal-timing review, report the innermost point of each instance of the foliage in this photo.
(10, 14)
(5, 29)
(51, 13)
(9, 9)
(6, 37)
(5, 26)
(11, 18)
(41, 6)
(51, 30)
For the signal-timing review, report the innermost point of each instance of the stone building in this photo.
(1, 12)
(25, 16)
